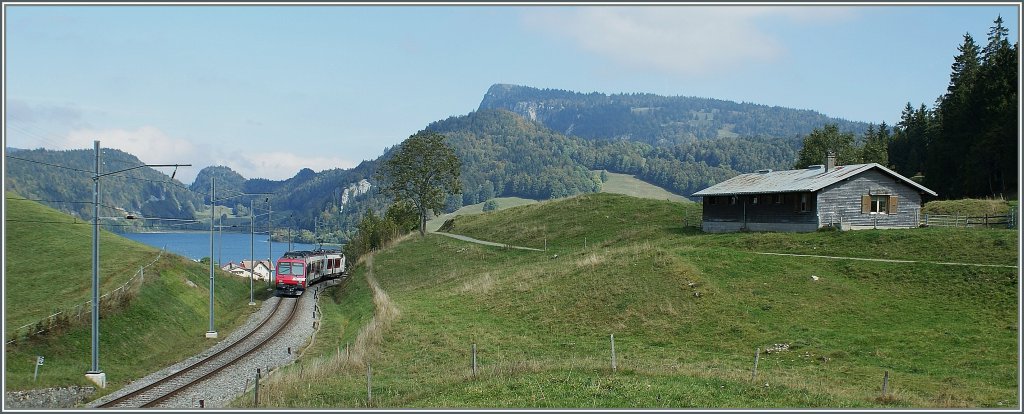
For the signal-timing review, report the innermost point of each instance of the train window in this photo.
(289, 269)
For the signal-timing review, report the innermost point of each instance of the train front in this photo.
(291, 276)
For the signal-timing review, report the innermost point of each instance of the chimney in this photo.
(830, 161)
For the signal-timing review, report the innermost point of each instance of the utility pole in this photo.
(252, 255)
(270, 239)
(95, 374)
(213, 208)
(220, 240)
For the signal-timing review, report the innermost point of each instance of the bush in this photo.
(490, 205)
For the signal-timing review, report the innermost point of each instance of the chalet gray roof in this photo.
(810, 179)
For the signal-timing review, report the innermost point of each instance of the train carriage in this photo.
(298, 270)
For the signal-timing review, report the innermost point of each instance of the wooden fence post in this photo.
(474, 360)
(613, 352)
(256, 390)
(369, 386)
(885, 383)
(757, 357)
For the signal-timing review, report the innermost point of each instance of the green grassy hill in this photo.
(617, 184)
(162, 320)
(478, 208)
(632, 186)
(687, 311)
(968, 206)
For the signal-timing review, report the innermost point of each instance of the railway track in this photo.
(152, 395)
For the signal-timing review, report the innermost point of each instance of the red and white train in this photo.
(300, 269)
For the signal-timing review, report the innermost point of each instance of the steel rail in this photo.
(202, 362)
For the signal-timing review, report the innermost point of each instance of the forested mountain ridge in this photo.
(62, 179)
(517, 157)
(654, 119)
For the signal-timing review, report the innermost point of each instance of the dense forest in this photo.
(967, 144)
(964, 146)
(653, 119)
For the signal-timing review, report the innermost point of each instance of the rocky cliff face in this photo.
(354, 190)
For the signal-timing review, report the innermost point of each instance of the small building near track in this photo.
(849, 197)
(260, 269)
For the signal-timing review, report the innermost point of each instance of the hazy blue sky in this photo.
(267, 90)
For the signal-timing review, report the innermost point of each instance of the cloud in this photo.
(24, 112)
(278, 165)
(153, 146)
(681, 40)
(148, 143)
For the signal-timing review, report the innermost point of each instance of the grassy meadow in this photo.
(48, 267)
(629, 185)
(688, 312)
(478, 208)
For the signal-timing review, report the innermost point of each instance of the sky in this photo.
(270, 89)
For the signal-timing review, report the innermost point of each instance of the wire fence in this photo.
(693, 218)
(1007, 221)
(82, 312)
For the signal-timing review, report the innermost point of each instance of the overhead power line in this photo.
(49, 164)
(65, 201)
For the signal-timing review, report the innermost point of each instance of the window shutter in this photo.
(865, 204)
(892, 204)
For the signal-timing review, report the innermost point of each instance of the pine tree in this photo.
(991, 166)
(958, 114)
(876, 145)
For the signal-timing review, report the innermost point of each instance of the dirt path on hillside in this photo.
(885, 260)
(487, 243)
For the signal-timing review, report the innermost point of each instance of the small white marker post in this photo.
(757, 357)
(369, 386)
(39, 363)
(613, 352)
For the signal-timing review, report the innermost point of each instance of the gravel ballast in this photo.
(227, 385)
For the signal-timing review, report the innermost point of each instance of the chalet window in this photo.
(803, 203)
(777, 198)
(878, 204)
(754, 200)
(732, 200)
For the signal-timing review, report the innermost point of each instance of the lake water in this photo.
(227, 247)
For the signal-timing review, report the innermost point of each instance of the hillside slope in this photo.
(161, 319)
(688, 311)
(63, 179)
